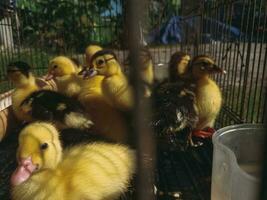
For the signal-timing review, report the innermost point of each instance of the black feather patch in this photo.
(21, 66)
(51, 106)
(103, 52)
(174, 110)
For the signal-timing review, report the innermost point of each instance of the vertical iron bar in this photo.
(144, 139)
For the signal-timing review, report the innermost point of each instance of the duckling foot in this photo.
(210, 130)
(207, 133)
(193, 143)
(78, 120)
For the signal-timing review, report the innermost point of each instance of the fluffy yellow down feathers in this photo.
(94, 171)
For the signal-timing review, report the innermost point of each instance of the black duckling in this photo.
(174, 111)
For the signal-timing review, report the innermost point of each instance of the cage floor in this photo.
(184, 175)
(180, 175)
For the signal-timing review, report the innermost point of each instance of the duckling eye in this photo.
(44, 146)
(55, 66)
(100, 62)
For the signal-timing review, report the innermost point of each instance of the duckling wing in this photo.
(52, 106)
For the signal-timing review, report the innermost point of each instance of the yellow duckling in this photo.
(90, 51)
(179, 66)
(146, 70)
(24, 81)
(104, 116)
(91, 87)
(115, 85)
(64, 71)
(208, 94)
(95, 171)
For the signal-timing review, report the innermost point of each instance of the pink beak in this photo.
(23, 171)
(49, 76)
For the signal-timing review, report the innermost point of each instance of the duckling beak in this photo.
(50, 76)
(23, 171)
(217, 69)
(92, 72)
(87, 73)
(82, 72)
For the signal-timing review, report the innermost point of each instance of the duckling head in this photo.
(61, 66)
(104, 63)
(90, 51)
(19, 73)
(178, 65)
(39, 148)
(202, 66)
(144, 56)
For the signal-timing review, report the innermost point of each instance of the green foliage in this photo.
(64, 25)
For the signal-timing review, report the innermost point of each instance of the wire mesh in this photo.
(234, 32)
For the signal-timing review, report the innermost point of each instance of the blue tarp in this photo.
(174, 30)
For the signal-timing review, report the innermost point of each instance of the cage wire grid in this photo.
(234, 32)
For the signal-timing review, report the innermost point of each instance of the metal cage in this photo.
(234, 32)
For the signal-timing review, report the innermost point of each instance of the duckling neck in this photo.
(148, 74)
(204, 78)
(63, 78)
(29, 82)
(117, 73)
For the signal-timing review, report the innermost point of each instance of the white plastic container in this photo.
(237, 158)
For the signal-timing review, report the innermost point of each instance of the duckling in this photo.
(103, 114)
(90, 51)
(24, 82)
(30, 103)
(115, 85)
(95, 171)
(208, 94)
(147, 70)
(178, 66)
(175, 113)
(64, 70)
